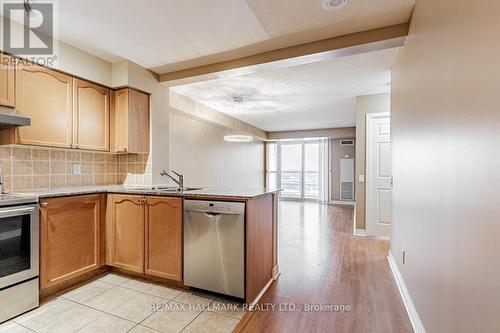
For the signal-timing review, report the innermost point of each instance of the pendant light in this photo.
(238, 137)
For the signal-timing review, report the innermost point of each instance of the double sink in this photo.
(174, 189)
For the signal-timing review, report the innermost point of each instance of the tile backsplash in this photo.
(34, 168)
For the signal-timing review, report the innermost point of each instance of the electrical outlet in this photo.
(403, 256)
(77, 169)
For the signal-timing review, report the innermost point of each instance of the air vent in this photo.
(349, 142)
(347, 191)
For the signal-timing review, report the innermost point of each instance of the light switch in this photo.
(361, 178)
(77, 169)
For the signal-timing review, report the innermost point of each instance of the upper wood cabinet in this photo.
(6, 81)
(130, 121)
(45, 96)
(91, 116)
(70, 237)
(125, 232)
(164, 237)
(65, 112)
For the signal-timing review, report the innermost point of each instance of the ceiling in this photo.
(168, 35)
(311, 96)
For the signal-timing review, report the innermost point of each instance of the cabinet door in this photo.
(91, 116)
(125, 232)
(138, 125)
(70, 242)
(131, 121)
(164, 237)
(46, 97)
(6, 81)
(120, 125)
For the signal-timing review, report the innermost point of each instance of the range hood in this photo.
(9, 117)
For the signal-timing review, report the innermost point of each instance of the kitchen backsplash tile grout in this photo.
(30, 167)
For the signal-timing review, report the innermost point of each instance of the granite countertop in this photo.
(227, 193)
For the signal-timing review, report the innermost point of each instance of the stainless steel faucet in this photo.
(179, 181)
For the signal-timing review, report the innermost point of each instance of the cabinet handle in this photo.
(44, 204)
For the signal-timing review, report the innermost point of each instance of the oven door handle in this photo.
(16, 211)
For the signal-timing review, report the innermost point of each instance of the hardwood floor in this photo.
(323, 263)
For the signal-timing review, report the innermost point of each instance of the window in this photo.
(294, 166)
(272, 165)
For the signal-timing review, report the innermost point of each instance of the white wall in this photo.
(445, 133)
(197, 150)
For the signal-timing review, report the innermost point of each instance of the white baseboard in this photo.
(256, 300)
(276, 272)
(360, 232)
(416, 323)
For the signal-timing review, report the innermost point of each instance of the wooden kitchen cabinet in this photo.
(164, 237)
(6, 81)
(71, 238)
(130, 124)
(91, 116)
(45, 96)
(125, 232)
(144, 235)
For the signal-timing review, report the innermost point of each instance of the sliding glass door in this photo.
(291, 170)
(294, 166)
(311, 170)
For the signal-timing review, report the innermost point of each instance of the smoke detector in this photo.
(333, 4)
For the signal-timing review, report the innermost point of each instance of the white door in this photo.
(378, 174)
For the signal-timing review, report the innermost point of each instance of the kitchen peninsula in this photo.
(86, 231)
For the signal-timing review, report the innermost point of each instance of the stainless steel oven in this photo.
(19, 255)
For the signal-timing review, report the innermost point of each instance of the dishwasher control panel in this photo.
(222, 207)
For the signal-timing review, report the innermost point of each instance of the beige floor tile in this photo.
(59, 315)
(12, 327)
(137, 285)
(143, 329)
(194, 298)
(87, 291)
(162, 291)
(78, 317)
(138, 307)
(111, 298)
(172, 319)
(152, 289)
(210, 322)
(114, 279)
(108, 324)
(230, 309)
(45, 314)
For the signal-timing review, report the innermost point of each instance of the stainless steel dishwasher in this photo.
(214, 246)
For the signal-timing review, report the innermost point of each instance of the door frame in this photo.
(370, 117)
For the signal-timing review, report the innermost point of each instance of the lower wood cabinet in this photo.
(70, 237)
(164, 237)
(125, 232)
(144, 235)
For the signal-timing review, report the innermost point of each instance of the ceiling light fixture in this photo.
(331, 5)
(238, 137)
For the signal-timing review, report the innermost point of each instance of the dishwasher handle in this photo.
(210, 214)
(215, 207)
